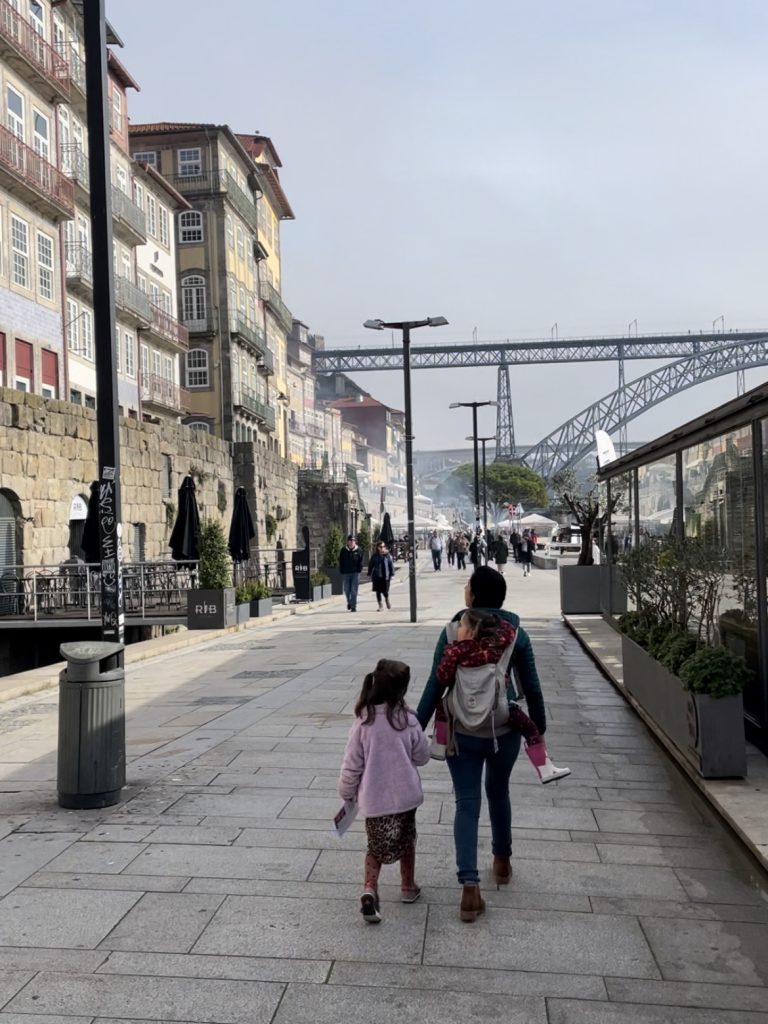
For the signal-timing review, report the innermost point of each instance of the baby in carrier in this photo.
(484, 639)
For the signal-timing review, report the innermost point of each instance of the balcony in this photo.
(220, 183)
(200, 325)
(167, 328)
(79, 266)
(249, 332)
(128, 219)
(132, 302)
(245, 399)
(164, 394)
(33, 179)
(77, 78)
(74, 163)
(269, 294)
(30, 56)
(267, 365)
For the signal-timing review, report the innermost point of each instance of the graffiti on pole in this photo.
(112, 617)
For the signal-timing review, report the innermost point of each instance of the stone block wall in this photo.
(322, 505)
(271, 484)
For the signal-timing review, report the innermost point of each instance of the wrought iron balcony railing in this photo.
(249, 331)
(74, 163)
(132, 299)
(79, 262)
(166, 393)
(267, 364)
(32, 172)
(218, 182)
(20, 40)
(269, 294)
(124, 210)
(76, 69)
(200, 324)
(169, 327)
(247, 400)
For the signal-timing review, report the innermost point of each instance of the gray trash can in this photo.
(91, 762)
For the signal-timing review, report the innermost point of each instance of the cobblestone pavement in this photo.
(217, 892)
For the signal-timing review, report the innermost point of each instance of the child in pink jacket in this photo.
(385, 745)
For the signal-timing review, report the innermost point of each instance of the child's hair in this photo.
(481, 624)
(387, 684)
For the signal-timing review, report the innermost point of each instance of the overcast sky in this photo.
(506, 164)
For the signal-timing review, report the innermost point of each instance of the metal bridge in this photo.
(686, 347)
(574, 439)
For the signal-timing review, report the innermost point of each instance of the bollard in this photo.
(91, 757)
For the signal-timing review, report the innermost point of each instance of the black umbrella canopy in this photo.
(91, 542)
(186, 530)
(241, 531)
(386, 533)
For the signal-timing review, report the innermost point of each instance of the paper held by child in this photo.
(344, 817)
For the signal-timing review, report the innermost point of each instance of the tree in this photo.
(584, 506)
(504, 483)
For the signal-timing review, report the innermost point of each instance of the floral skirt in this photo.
(391, 835)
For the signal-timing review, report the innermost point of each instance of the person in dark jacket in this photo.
(501, 554)
(485, 591)
(350, 567)
(381, 569)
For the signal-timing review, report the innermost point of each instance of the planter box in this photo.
(708, 731)
(260, 607)
(327, 589)
(580, 589)
(211, 609)
(243, 612)
(315, 593)
(335, 578)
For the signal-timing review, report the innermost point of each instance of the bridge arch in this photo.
(572, 440)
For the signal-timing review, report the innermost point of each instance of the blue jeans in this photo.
(466, 768)
(437, 557)
(350, 581)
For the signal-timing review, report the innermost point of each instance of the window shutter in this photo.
(50, 369)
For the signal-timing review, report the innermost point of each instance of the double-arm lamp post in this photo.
(474, 406)
(406, 326)
(483, 441)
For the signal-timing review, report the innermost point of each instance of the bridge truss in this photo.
(574, 439)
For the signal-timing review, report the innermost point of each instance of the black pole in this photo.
(485, 499)
(477, 468)
(409, 470)
(107, 427)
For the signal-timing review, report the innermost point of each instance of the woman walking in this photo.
(496, 752)
(381, 569)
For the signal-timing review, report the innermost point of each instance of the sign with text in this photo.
(300, 560)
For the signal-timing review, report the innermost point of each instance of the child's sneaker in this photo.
(369, 907)
(410, 895)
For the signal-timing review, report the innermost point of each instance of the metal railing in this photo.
(76, 69)
(267, 364)
(126, 211)
(219, 182)
(273, 566)
(36, 172)
(200, 325)
(133, 299)
(162, 391)
(30, 45)
(249, 331)
(79, 262)
(74, 163)
(240, 201)
(168, 326)
(245, 398)
(73, 590)
(269, 294)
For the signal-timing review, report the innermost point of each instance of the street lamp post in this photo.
(406, 326)
(474, 406)
(483, 441)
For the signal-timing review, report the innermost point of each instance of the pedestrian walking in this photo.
(462, 547)
(478, 750)
(501, 554)
(386, 746)
(477, 550)
(451, 549)
(381, 569)
(350, 567)
(526, 552)
(515, 542)
(436, 547)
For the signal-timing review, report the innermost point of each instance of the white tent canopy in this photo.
(537, 522)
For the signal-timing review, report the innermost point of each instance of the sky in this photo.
(507, 164)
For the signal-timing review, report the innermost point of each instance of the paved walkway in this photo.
(217, 892)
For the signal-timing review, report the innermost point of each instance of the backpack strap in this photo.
(502, 665)
(452, 632)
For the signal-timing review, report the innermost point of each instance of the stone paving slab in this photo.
(233, 968)
(48, 917)
(163, 923)
(584, 1012)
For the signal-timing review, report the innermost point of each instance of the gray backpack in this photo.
(477, 698)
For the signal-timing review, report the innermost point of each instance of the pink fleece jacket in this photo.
(379, 766)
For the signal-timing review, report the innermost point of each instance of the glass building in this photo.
(708, 480)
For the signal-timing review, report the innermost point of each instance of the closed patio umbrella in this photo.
(387, 534)
(91, 542)
(241, 531)
(186, 531)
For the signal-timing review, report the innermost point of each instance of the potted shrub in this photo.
(320, 586)
(364, 541)
(691, 688)
(212, 606)
(243, 602)
(333, 546)
(261, 599)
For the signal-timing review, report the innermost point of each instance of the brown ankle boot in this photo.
(472, 903)
(502, 870)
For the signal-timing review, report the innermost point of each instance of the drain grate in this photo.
(264, 674)
(243, 646)
(221, 700)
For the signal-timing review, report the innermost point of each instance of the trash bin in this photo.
(91, 761)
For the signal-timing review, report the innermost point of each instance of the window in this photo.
(241, 300)
(167, 368)
(141, 281)
(230, 233)
(122, 179)
(152, 216)
(86, 334)
(24, 378)
(199, 425)
(156, 363)
(44, 265)
(125, 260)
(130, 354)
(166, 301)
(90, 402)
(41, 133)
(20, 249)
(197, 368)
(36, 17)
(73, 326)
(59, 37)
(163, 215)
(146, 158)
(154, 293)
(75, 397)
(191, 226)
(190, 165)
(193, 300)
(138, 195)
(49, 377)
(240, 243)
(144, 363)
(117, 110)
(14, 118)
